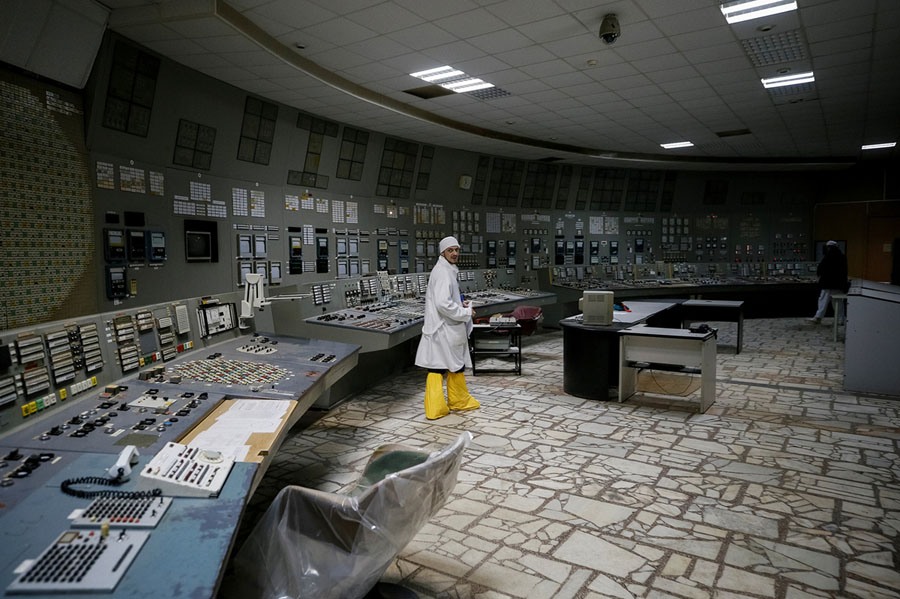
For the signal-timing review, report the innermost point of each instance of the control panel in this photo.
(81, 561)
(184, 471)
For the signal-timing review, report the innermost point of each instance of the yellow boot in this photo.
(458, 392)
(435, 404)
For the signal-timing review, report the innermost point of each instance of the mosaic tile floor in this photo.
(788, 487)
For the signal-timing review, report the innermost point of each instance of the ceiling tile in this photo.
(271, 26)
(298, 14)
(338, 59)
(663, 8)
(201, 27)
(691, 20)
(483, 66)
(150, 32)
(176, 47)
(545, 70)
(702, 39)
(230, 74)
(342, 29)
(311, 43)
(523, 87)
(525, 56)
(249, 59)
(576, 45)
(378, 48)
(660, 63)
(228, 43)
(836, 11)
(714, 53)
(849, 27)
(659, 47)
(454, 53)
(423, 36)
(640, 91)
(516, 12)
(437, 9)
(385, 18)
(500, 41)
(615, 71)
(345, 6)
(560, 27)
(276, 70)
(373, 71)
(843, 44)
(470, 24)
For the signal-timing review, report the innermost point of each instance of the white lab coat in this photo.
(444, 344)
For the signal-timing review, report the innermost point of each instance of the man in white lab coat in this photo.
(444, 345)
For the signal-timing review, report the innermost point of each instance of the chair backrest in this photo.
(311, 543)
(527, 312)
(528, 318)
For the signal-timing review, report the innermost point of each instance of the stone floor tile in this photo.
(788, 487)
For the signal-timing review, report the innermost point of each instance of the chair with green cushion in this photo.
(314, 544)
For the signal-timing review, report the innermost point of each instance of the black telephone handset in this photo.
(700, 328)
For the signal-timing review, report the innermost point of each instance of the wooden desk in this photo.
(676, 350)
(245, 445)
(723, 310)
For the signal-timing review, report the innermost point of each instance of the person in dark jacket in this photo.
(832, 272)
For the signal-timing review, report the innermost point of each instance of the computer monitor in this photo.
(596, 307)
(198, 246)
(820, 248)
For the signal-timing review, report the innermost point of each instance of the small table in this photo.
(496, 340)
(674, 350)
(722, 310)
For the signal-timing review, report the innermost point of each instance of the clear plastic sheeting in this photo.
(313, 544)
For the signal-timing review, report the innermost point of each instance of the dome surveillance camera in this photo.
(609, 29)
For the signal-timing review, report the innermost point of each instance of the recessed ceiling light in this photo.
(466, 85)
(453, 79)
(745, 10)
(788, 80)
(592, 63)
(423, 74)
(677, 144)
(448, 73)
(300, 46)
(889, 144)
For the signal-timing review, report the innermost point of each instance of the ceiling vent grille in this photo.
(767, 50)
(491, 93)
(791, 90)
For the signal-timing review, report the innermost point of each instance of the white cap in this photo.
(447, 242)
(831, 243)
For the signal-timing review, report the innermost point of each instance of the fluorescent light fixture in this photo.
(429, 72)
(461, 83)
(442, 75)
(745, 10)
(788, 80)
(475, 85)
(677, 144)
(889, 144)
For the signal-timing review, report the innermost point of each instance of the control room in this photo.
(481, 299)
